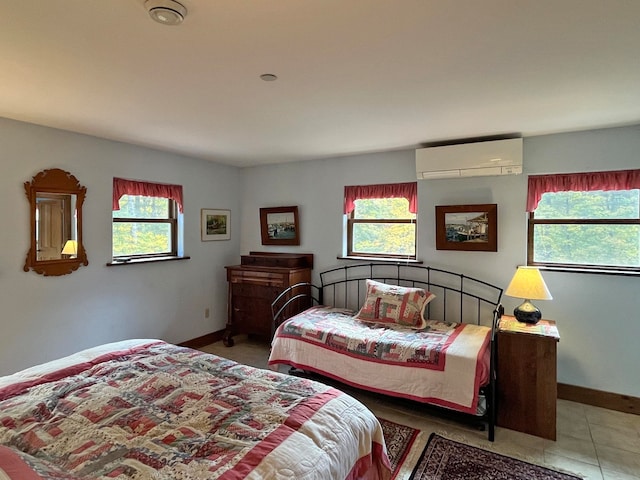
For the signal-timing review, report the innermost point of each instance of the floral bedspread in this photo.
(165, 412)
(337, 330)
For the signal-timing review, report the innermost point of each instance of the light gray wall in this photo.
(47, 317)
(596, 314)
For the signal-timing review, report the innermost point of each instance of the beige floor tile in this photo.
(616, 460)
(611, 418)
(587, 471)
(572, 447)
(570, 407)
(522, 440)
(571, 420)
(616, 437)
(609, 475)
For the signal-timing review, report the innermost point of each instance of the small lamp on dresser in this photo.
(527, 283)
(70, 248)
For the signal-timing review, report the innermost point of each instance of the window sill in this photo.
(381, 259)
(131, 261)
(595, 271)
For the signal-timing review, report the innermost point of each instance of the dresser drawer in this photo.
(250, 291)
(257, 277)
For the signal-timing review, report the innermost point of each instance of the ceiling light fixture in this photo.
(166, 12)
(268, 77)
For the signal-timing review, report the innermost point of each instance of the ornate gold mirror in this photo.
(55, 200)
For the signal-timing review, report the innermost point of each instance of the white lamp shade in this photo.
(528, 283)
(70, 248)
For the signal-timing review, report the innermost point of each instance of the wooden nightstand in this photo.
(526, 375)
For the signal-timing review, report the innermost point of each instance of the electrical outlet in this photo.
(206, 312)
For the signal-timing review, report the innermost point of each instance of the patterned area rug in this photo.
(400, 439)
(444, 459)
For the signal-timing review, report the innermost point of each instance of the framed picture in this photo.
(279, 226)
(467, 227)
(215, 224)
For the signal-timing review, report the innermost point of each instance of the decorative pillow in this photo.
(393, 304)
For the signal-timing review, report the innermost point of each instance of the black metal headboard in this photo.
(459, 298)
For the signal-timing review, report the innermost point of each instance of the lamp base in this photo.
(527, 312)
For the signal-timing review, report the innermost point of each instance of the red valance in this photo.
(580, 182)
(122, 187)
(386, 190)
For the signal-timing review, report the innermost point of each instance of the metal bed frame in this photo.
(459, 298)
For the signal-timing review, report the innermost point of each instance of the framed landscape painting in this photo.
(215, 224)
(467, 227)
(279, 226)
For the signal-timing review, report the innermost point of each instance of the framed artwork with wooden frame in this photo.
(467, 227)
(279, 226)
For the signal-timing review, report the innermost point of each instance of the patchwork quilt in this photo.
(340, 331)
(158, 411)
(443, 364)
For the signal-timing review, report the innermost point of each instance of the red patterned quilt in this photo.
(165, 412)
(444, 364)
(338, 330)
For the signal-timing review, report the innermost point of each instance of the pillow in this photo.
(393, 304)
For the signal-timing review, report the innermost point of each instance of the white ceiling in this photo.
(354, 76)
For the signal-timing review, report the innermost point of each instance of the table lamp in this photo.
(528, 283)
(70, 248)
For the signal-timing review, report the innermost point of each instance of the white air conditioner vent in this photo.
(494, 157)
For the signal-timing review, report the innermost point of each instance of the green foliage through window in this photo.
(144, 226)
(587, 229)
(382, 227)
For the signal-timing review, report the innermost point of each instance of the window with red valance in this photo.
(580, 182)
(122, 186)
(380, 191)
(145, 219)
(585, 220)
(381, 220)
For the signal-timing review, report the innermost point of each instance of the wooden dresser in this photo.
(527, 384)
(254, 284)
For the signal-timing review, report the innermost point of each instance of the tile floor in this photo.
(593, 442)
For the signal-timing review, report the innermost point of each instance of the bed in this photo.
(146, 409)
(409, 331)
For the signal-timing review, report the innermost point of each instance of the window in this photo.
(145, 222)
(381, 220)
(585, 221)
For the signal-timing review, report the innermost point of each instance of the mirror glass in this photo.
(56, 226)
(55, 198)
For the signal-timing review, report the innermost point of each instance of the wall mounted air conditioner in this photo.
(494, 157)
